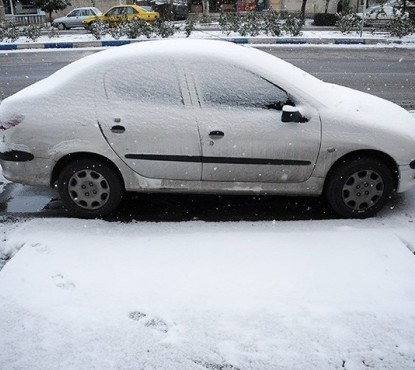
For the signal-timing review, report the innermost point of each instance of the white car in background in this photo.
(203, 116)
(382, 13)
(75, 18)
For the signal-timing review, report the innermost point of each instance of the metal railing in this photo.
(26, 19)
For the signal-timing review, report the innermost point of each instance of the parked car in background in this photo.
(169, 10)
(75, 18)
(203, 116)
(121, 13)
(382, 13)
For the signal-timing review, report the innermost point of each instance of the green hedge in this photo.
(325, 19)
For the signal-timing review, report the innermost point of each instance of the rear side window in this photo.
(150, 81)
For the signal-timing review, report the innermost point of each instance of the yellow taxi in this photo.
(121, 13)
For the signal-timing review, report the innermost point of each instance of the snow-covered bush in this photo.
(136, 28)
(164, 28)
(99, 29)
(230, 22)
(32, 32)
(252, 24)
(293, 25)
(348, 23)
(8, 32)
(52, 32)
(189, 26)
(117, 32)
(400, 26)
(272, 23)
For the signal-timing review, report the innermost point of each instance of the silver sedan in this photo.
(201, 116)
(75, 18)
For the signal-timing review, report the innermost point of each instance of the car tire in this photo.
(61, 26)
(359, 188)
(90, 188)
(89, 25)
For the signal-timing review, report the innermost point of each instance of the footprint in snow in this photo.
(155, 323)
(62, 283)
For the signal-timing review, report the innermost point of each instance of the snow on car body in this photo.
(207, 117)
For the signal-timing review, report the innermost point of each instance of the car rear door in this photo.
(243, 138)
(144, 113)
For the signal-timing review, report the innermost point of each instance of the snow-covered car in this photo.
(75, 18)
(382, 13)
(209, 117)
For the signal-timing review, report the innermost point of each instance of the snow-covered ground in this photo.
(98, 295)
(327, 294)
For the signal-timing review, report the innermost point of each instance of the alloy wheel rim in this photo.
(363, 190)
(89, 189)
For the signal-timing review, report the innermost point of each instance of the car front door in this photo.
(243, 137)
(144, 113)
(73, 19)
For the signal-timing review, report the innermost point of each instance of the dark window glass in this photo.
(220, 84)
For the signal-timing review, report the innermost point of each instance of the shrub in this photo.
(9, 32)
(230, 22)
(136, 28)
(271, 23)
(250, 25)
(348, 23)
(293, 26)
(99, 28)
(164, 29)
(399, 26)
(32, 32)
(117, 32)
(189, 26)
(52, 32)
(325, 19)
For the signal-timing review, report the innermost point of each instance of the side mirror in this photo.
(292, 114)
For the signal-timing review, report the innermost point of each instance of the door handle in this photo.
(117, 129)
(216, 134)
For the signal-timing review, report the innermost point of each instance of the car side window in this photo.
(130, 11)
(115, 11)
(219, 84)
(75, 13)
(151, 82)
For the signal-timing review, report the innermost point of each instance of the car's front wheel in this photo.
(61, 26)
(359, 188)
(90, 188)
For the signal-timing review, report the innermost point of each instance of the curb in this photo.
(237, 40)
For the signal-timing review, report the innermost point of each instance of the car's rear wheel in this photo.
(61, 26)
(90, 188)
(359, 188)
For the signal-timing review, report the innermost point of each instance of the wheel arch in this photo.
(383, 157)
(68, 158)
